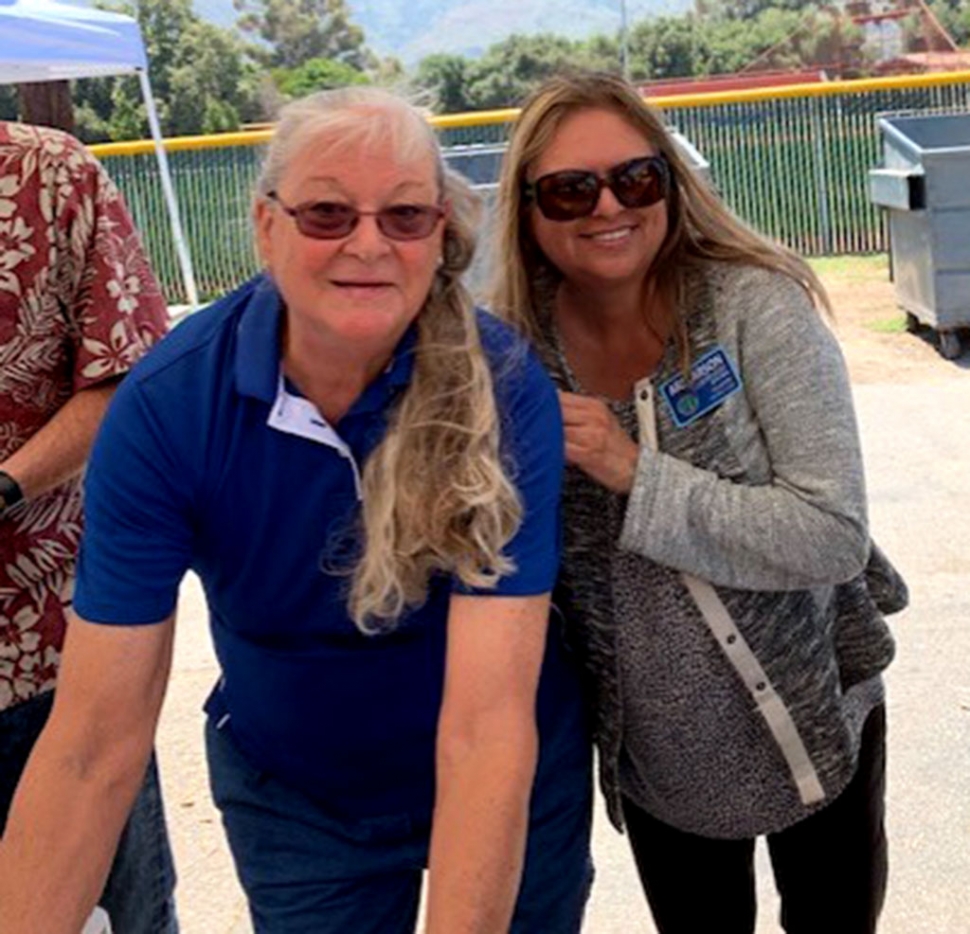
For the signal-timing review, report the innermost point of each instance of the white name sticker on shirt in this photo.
(713, 378)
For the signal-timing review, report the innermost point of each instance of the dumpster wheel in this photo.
(950, 345)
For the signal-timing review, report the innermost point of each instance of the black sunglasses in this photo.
(333, 220)
(574, 193)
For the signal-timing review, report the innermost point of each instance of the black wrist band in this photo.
(10, 492)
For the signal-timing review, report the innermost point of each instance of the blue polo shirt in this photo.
(207, 461)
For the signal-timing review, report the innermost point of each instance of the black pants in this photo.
(830, 869)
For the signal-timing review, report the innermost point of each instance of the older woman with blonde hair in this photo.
(365, 473)
(714, 515)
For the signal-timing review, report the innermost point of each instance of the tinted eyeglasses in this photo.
(333, 220)
(574, 193)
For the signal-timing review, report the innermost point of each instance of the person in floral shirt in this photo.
(78, 306)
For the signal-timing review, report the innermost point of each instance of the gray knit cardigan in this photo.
(764, 498)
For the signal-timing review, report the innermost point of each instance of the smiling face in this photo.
(359, 293)
(613, 246)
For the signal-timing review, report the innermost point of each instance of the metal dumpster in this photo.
(482, 164)
(924, 184)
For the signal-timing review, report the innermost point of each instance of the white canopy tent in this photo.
(43, 40)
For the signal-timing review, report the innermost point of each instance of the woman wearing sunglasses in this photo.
(714, 501)
(365, 473)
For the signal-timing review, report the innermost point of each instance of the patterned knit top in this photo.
(764, 498)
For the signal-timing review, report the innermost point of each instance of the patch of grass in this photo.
(894, 325)
(851, 267)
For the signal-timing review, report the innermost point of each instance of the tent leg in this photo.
(181, 246)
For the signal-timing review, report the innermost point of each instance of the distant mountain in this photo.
(411, 29)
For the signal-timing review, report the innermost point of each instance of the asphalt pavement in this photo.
(916, 439)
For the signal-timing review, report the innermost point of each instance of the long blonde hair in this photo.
(699, 226)
(436, 496)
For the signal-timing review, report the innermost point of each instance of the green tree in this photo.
(732, 45)
(128, 120)
(714, 38)
(213, 89)
(510, 69)
(201, 79)
(668, 47)
(317, 74)
(296, 31)
(954, 17)
(93, 104)
(780, 40)
(830, 42)
(444, 78)
(91, 126)
(602, 52)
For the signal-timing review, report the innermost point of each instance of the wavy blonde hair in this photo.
(436, 495)
(700, 227)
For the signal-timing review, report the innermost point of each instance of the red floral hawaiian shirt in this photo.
(78, 306)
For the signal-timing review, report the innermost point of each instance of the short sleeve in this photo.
(101, 272)
(533, 446)
(137, 543)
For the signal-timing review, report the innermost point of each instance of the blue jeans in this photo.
(308, 871)
(305, 872)
(138, 895)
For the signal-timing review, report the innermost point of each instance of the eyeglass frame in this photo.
(296, 211)
(531, 192)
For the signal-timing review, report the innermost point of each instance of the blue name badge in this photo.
(713, 378)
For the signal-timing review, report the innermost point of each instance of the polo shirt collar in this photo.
(259, 353)
(258, 348)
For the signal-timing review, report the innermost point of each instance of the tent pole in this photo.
(181, 246)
